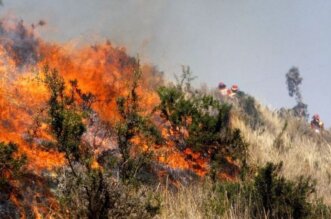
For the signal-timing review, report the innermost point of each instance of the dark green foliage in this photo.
(237, 195)
(65, 116)
(320, 210)
(271, 195)
(97, 194)
(10, 167)
(128, 202)
(86, 191)
(200, 122)
(89, 196)
(282, 198)
(252, 114)
(202, 116)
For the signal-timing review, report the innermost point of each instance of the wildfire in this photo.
(103, 70)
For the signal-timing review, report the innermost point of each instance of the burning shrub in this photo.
(134, 126)
(200, 122)
(89, 196)
(10, 168)
(85, 188)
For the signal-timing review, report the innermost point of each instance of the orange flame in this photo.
(103, 70)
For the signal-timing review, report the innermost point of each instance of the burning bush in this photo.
(134, 130)
(86, 189)
(90, 196)
(200, 123)
(10, 168)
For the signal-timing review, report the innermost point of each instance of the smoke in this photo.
(294, 80)
(19, 42)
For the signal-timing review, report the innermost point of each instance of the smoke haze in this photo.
(251, 43)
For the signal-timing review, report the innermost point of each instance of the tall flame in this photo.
(104, 70)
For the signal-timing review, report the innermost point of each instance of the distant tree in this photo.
(293, 81)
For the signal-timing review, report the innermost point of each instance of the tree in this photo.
(85, 189)
(294, 80)
(133, 125)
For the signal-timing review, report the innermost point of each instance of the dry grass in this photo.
(302, 153)
(186, 203)
(198, 202)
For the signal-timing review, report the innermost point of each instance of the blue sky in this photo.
(252, 43)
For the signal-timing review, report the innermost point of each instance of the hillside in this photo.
(90, 132)
(301, 151)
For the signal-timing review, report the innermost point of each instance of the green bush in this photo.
(252, 115)
(281, 198)
(269, 194)
(133, 124)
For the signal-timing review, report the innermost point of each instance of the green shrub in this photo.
(134, 124)
(252, 115)
(281, 198)
(200, 122)
(268, 194)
